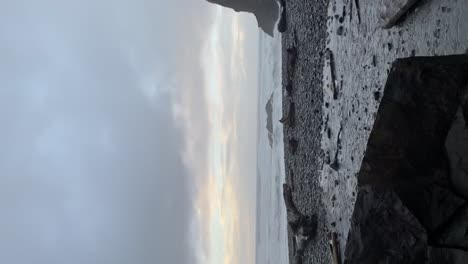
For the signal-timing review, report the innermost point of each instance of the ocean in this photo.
(271, 228)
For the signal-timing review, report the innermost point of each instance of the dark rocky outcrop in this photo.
(465, 113)
(292, 57)
(393, 10)
(290, 117)
(384, 231)
(406, 192)
(269, 121)
(289, 88)
(266, 11)
(282, 23)
(293, 145)
(304, 228)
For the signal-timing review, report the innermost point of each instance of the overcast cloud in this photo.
(90, 171)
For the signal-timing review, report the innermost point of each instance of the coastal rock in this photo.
(282, 23)
(406, 192)
(293, 145)
(292, 57)
(304, 228)
(269, 121)
(266, 11)
(384, 231)
(290, 117)
(393, 10)
(465, 113)
(407, 142)
(289, 88)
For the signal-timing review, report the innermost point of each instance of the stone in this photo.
(293, 145)
(290, 117)
(304, 228)
(392, 10)
(266, 11)
(383, 230)
(406, 191)
(282, 23)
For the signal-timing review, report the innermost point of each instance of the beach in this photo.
(307, 32)
(333, 122)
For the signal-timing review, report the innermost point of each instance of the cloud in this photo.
(91, 164)
(223, 185)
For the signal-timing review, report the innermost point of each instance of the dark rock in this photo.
(377, 95)
(335, 165)
(269, 121)
(465, 112)
(340, 31)
(304, 228)
(446, 255)
(289, 118)
(389, 46)
(292, 57)
(289, 88)
(282, 23)
(266, 11)
(421, 98)
(297, 259)
(383, 230)
(437, 33)
(453, 233)
(406, 194)
(393, 10)
(293, 145)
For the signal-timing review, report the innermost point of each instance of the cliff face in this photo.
(266, 11)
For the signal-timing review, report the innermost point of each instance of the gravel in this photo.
(333, 126)
(307, 30)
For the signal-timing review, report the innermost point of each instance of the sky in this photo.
(128, 132)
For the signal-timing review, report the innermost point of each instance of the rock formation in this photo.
(269, 120)
(303, 227)
(465, 112)
(290, 117)
(292, 57)
(393, 10)
(282, 24)
(293, 145)
(384, 231)
(266, 11)
(408, 208)
(289, 88)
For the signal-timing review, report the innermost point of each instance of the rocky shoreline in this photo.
(306, 32)
(333, 120)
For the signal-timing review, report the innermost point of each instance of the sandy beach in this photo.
(332, 127)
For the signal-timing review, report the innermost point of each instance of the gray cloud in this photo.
(91, 170)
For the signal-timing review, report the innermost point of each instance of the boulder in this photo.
(406, 192)
(383, 230)
(393, 10)
(266, 11)
(304, 228)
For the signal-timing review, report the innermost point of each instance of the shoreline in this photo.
(306, 24)
(332, 127)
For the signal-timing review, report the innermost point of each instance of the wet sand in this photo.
(332, 127)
